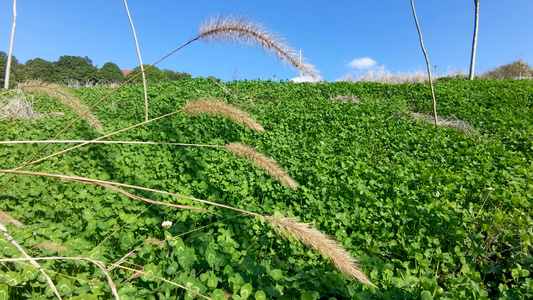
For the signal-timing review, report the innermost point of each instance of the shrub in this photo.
(515, 70)
(111, 73)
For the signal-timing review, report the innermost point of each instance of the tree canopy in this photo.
(76, 69)
(153, 75)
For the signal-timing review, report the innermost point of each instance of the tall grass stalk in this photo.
(140, 62)
(302, 232)
(427, 62)
(30, 259)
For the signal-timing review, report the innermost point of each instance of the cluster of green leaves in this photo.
(431, 213)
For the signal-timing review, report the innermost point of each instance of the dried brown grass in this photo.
(18, 108)
(382, 75)
(324, 243)
(56, 91)
(451, 122)
(218, 108)
(264, 162)
(241, 29)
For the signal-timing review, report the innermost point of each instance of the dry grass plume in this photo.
(262, 161)
(324, 243)
(50, 246)
(218, 108)
(7, 219)
(56, 91)
(241, 29)
(154, 241)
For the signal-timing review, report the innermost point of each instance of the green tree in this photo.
(153, 75)
(15, 72)
(172, 75)
(39, 68)
(111, 73)
(76, 68)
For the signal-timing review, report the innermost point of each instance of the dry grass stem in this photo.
(99, 264)
(56, 91)
(244, 30)
(103, 142)
(50, 246)
(31, 162)
(7, 219)
(109, 183)
(264, 162)
(325, 244)
(218, 108)
(30, 259)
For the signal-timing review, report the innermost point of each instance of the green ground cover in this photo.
(431, 213)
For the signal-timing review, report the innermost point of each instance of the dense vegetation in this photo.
(431, 212)
(75, 70)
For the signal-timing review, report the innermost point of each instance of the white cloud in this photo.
(307, 78)
(362, 63)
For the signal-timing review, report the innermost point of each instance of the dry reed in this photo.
(218, 108)
(18, 108)
(241, 29)
(56, 91)
(324, 243)
(264, 162)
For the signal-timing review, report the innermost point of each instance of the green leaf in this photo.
(4, 292)
(246, 291)
(212, 281)
(260, 295)
(218, 294)
(307, 296)
(276, 274)
(212, 258)
(12, 278)
(425, 295)
(64, 287)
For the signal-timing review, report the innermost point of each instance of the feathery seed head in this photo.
(241, 29)
(56, 91)
(325, 244)
(50, 246)
(154, 241)
(264, 162)
(218, 108)
(7, 219)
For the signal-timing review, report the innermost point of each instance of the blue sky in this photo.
(333, 35)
